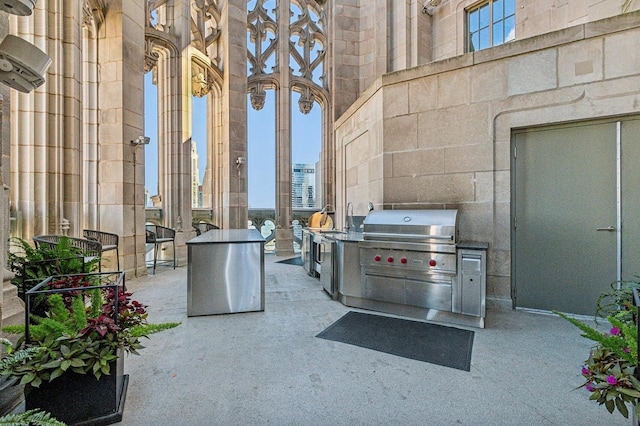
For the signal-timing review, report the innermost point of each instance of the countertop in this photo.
(216, 236)
(473, 245)
(344, 236)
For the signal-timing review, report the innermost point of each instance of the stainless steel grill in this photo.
(408, 257)
(413, 226)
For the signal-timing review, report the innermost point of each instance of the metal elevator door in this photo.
(565, 216)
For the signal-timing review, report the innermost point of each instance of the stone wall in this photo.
(6, 276)
(533, 18)
(439, 135)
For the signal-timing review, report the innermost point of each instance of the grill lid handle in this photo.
(407, 236)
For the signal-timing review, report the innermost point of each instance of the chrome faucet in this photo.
(349, 222)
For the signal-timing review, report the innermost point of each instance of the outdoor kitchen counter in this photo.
(351, 236)
(473, 245)
(225, 272)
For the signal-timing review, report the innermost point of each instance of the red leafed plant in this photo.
(82, 329)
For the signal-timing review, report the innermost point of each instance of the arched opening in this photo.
(152, 197)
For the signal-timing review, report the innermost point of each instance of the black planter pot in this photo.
(81, 399)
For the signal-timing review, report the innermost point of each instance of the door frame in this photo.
(557, 126)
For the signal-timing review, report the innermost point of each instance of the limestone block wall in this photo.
(344, 60)
(359, 155)
(533, 18)
(439, 135)
(4, 174)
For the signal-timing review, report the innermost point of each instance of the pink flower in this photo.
(585, 371)
(590, 387)
(612, 380)
(627, 350)
(614, 331)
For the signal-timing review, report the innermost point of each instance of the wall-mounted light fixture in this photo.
(141, 140)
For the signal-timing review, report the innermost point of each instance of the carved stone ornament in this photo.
(199, 85)
(93, 14)
(258, 97)
(306, 101)
(150, 57)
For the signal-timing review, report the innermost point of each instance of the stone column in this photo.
(4, 176)
(174, 107)
(121, 104)
(37, 131)
(71, 142)
(234, 115)
(284, 231)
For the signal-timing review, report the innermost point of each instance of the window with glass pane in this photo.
(491, 24)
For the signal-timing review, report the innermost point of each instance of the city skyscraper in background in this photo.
(303, 185)
(196, 199)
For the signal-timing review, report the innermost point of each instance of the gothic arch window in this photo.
(307, 42)
(293, 65)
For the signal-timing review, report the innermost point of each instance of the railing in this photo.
(261, 219)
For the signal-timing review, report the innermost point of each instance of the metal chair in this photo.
(158, 235)
(202, 227)
(90, 249)
(108, 241)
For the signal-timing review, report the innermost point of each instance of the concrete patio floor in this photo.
(268, 368)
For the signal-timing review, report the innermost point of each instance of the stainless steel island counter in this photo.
(225, 272)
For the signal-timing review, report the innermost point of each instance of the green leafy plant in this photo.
(30, 418)
(80, 331)
(31, 265)
(610, 370)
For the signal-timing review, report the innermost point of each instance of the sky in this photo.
(306, 142)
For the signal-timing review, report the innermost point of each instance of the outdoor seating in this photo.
(158, 235)
(90, 249)
(109, 241)
(202, 227)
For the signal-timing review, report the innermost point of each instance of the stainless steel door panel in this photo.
(316, 251)
(348, 269)
(307, 251)
(431, 295)
(225, 278)
(384, 288)
(471, 290)
(328, 266)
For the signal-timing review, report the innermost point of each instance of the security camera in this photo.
(17, 7)
(141, 140)
(22, 65)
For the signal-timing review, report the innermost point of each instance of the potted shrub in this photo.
(89, 322)
(29, 417)
(31, 265)
(611, 370)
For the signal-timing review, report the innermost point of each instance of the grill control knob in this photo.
(390, 259)
(377, 258)
(432, 263)
(403, 260)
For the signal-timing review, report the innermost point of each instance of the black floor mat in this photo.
(293, 261)
(437, 344)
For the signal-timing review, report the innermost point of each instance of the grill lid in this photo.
(429, 226)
